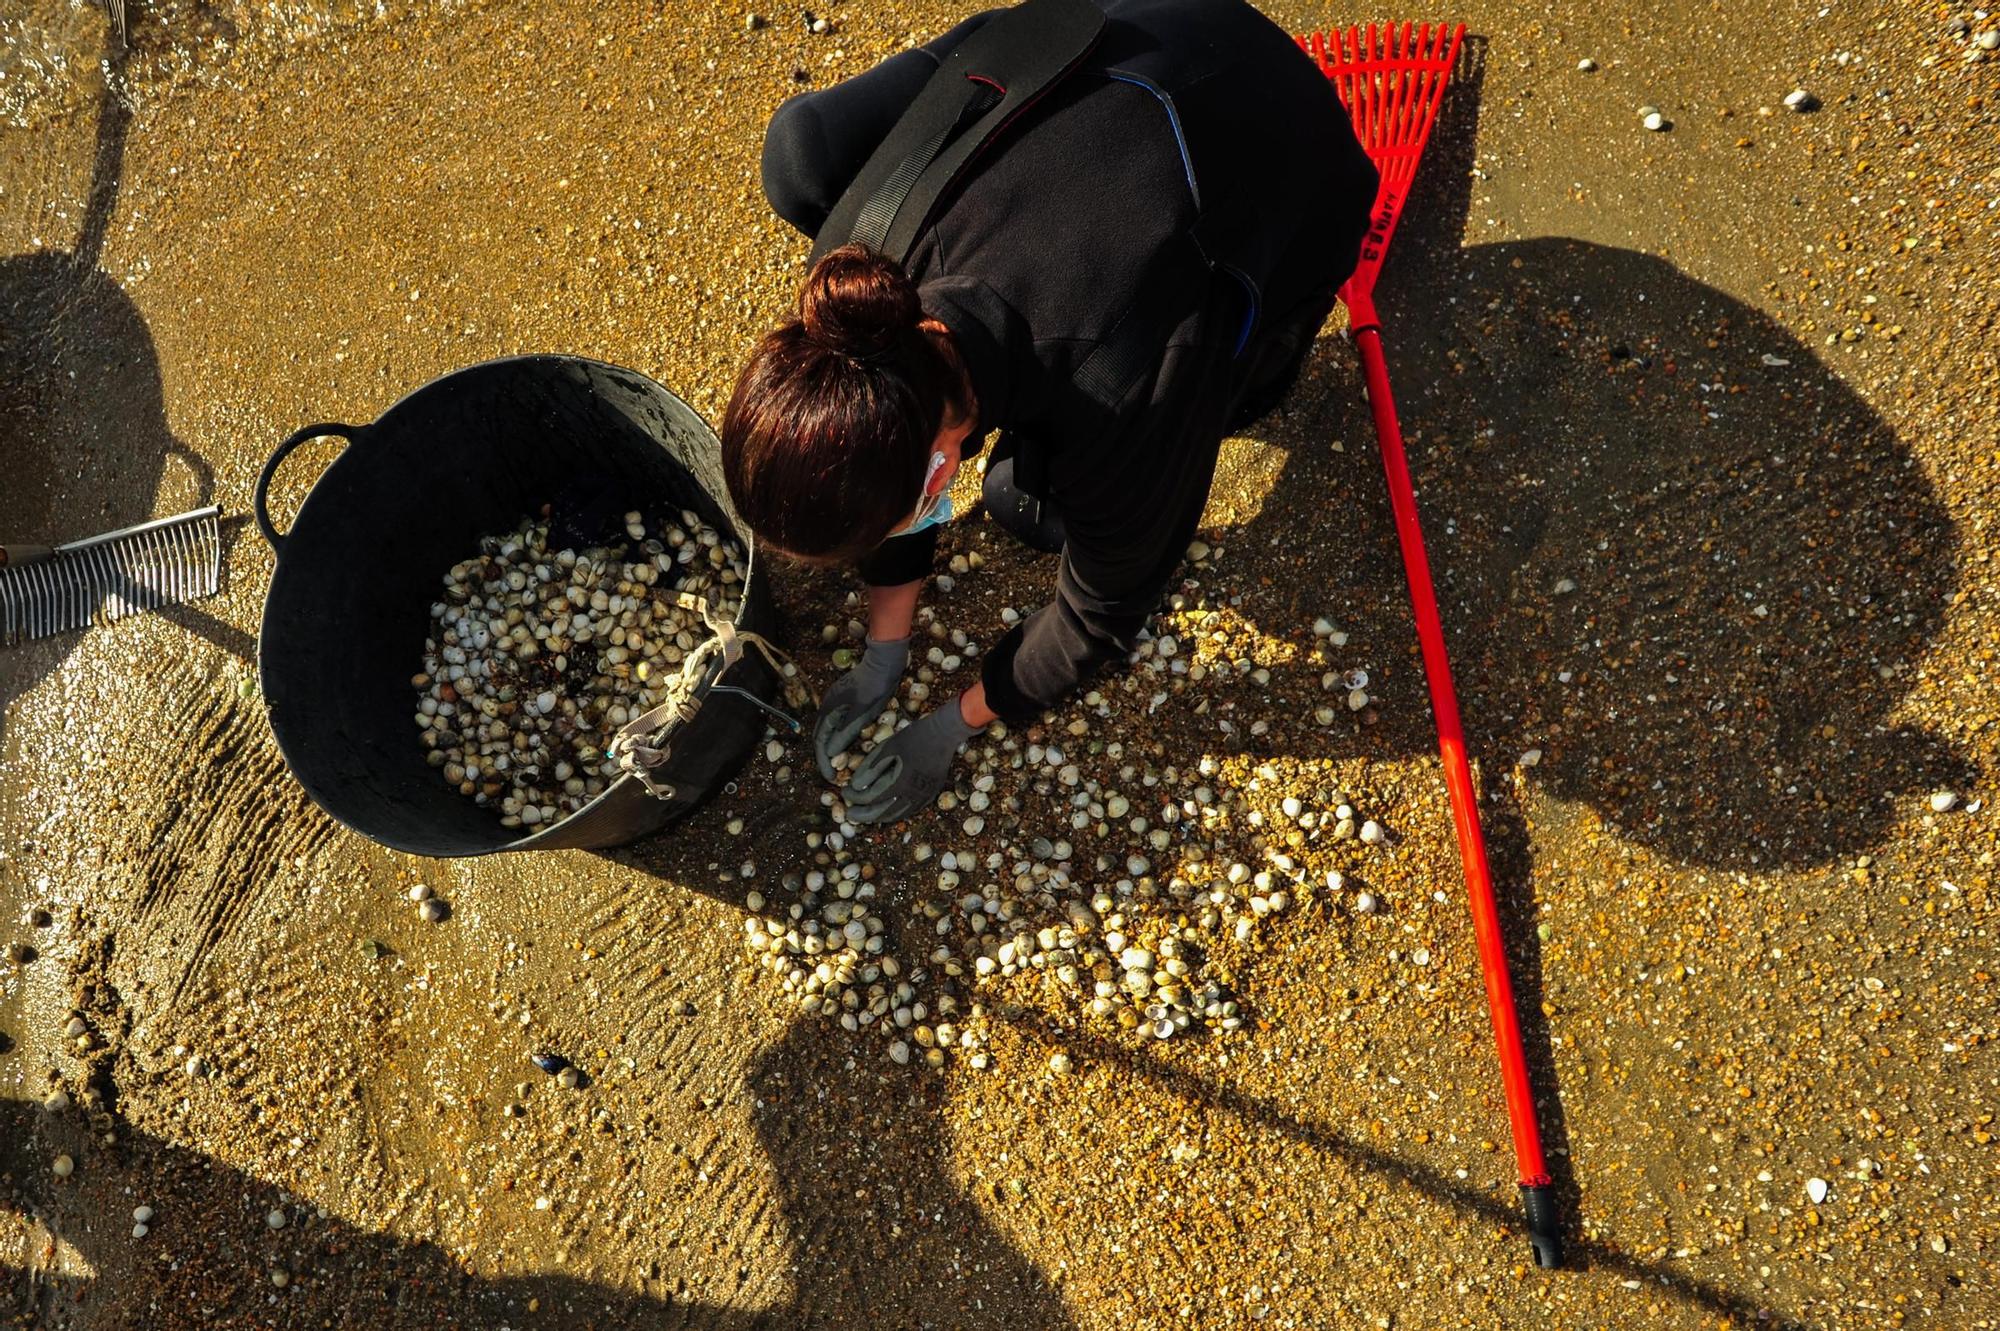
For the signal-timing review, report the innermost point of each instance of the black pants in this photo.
(829, 134)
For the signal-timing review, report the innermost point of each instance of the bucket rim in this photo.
(552, 837)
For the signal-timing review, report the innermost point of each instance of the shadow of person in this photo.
(84, 440)
(1676, 555)
(878, 1233)
(1674, 551)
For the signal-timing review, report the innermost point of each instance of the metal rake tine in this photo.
(157, 571)
(191, 561)
(176, 563)
(49, 591)
(152, 569)
(132, 573)
(165, 572)
(50, 602)
(212, 536)
(112, 603)
(116, 603)
(132, 576)
(75, 584)
(85, 586)
(56, 591)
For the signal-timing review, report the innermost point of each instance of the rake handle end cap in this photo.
(1538, 1202)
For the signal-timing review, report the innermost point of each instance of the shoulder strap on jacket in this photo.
(983, 85)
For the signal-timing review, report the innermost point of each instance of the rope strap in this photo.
(642, 744)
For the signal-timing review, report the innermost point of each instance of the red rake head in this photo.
(1391, 80)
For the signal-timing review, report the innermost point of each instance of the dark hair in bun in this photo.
(858, 303)
(828, 434)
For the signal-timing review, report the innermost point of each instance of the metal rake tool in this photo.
(46, 590)
(1392, 79)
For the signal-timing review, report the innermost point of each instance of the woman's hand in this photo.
(906, 771)
(972, 706)
(857, 698)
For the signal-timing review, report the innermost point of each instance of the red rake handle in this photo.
(1392, 79)
(1536, 1193)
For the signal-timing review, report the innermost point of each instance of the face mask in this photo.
(934, 509)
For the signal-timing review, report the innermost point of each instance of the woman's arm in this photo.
(1129, 512)
(891, 611)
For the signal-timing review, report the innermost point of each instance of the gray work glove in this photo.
(907, 770)
(857, 698)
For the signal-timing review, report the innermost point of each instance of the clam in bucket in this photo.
(464, 457)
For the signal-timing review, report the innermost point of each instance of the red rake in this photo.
(1392, 80)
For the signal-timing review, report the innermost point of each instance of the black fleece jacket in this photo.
(1041, 251)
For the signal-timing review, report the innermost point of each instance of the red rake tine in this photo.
(1391, 81)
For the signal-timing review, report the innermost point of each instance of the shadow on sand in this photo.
(84, 441)
(879, 1234)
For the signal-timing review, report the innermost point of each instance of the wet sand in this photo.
(1744, 611)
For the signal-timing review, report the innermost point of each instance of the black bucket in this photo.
(466, 456)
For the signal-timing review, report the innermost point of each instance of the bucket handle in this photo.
(278, 455)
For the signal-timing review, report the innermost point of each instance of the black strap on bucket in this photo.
(983, 85)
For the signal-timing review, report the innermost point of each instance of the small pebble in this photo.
(1364, 903)
(1798, 99)
(1653, 120)
(275, 1220)
(58, 1100)
(1944, 801)
(140, 1230)
(421, 892)
(432, 911)
(568, 1078)
(142, 1215)
(1816, 1189)
(1587, 65)
(63, 1167)
(1058, 1064)
(1371, 832)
